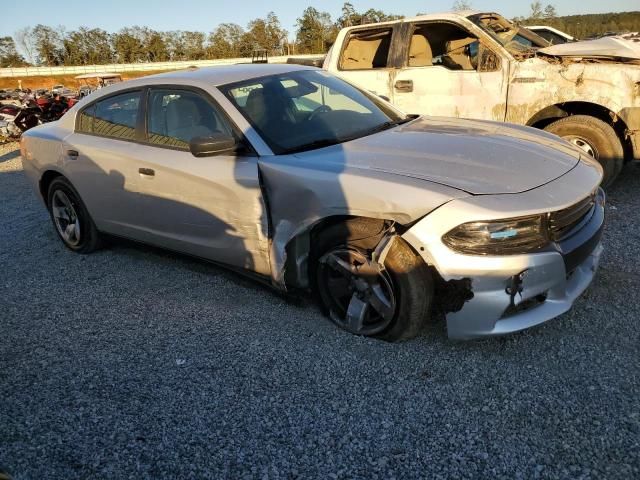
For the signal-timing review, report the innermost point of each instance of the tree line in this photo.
(46, 45)
(315, 32)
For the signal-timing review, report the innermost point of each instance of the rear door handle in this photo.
(147, 172)
(404, 86)
(72, 153)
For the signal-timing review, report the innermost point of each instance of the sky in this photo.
(204, 15)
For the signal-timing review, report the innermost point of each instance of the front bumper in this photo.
(548, 282)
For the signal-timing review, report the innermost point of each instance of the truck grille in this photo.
(563, 221)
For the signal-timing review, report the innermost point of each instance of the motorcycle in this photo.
(16, 119)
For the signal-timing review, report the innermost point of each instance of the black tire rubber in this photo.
(601, 136)
(90, 239)
(412, 280)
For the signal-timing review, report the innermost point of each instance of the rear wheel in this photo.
(71, 218)
(594, 137)
(390, 301)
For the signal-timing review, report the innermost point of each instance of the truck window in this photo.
(449, 46)
(366, 50)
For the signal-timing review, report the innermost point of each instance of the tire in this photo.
(70, 218)
(405, 281)
(593, 135)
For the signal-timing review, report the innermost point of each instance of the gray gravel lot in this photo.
(137, 363)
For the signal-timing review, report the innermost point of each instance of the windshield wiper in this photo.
(386, 126)
(322, 142)
(326, 142)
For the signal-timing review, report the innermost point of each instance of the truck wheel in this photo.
(594, 137)
(392, 303)
(70, 217)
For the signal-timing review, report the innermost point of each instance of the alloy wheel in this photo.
(66, 218)
(359, 293)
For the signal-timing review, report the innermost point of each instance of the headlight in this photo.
(502, 237)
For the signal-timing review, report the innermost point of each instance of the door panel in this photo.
(105, 176)
(449, 72)
(442, 92)
(209, 207)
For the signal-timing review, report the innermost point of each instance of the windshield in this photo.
(519, 41)
(308, 109)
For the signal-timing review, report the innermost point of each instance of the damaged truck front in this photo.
(480, 65)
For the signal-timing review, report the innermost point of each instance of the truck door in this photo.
(365, 57)
(450, 72)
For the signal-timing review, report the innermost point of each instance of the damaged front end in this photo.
(487, 292)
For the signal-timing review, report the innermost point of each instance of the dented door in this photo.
(457, 77)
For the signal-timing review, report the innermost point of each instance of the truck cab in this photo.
(481, 66)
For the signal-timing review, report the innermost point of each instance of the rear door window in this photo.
(114, 117)
(366, 49)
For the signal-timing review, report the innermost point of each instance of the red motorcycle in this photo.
(16, 119)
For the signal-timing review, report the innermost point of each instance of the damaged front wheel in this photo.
(388, 299)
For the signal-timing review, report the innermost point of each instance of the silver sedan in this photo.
(311, 184)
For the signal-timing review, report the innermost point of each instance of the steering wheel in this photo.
(319, 110)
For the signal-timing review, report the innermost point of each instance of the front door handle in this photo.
(72, 153)
(147, 172)
(404, 86)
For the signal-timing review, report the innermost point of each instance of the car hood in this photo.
(619, 47)
(477, 157)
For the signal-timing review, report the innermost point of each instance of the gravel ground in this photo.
(137, 363)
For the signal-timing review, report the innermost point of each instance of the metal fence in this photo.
(131, 67)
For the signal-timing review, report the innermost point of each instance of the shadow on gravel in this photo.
(10, 156)
(160, 256)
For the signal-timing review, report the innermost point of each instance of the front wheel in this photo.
(71, 218)
(595, 138)
(391, 301)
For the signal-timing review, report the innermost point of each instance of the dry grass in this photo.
(66, 80)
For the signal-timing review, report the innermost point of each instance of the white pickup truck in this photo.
(482, 66)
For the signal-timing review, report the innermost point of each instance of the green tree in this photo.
(194, 48)
(315, 31)
(549, 12)
(349, 16)
(48, 45)
(536, 10)
(155, 46)
(128, 46)
(460, 5)
(9, 56)
(377, 16)
(225, 41)
(265, 33)
(87, 47)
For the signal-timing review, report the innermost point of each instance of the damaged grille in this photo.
(562, 222)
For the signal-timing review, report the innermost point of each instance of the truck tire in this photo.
(594, 137)
(405, 285)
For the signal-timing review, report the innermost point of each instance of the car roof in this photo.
(425, 17)
(221, 74)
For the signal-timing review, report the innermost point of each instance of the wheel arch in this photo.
(45, 180)
(557, 111)
(299, 249)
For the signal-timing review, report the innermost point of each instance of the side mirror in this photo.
(216, 144)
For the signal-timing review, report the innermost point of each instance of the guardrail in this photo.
(131, 67)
